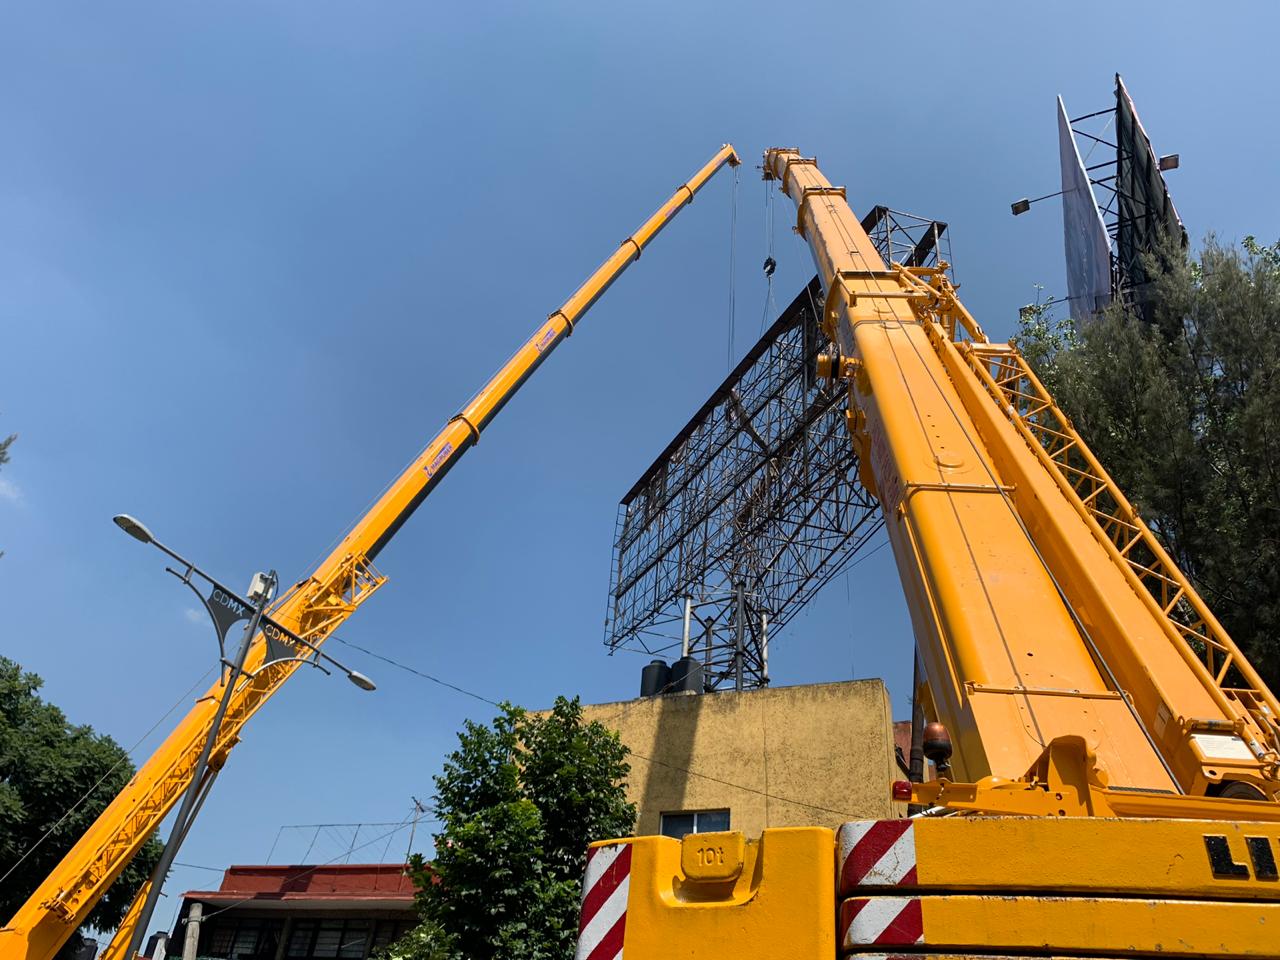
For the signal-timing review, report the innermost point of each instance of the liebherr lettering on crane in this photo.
(1224, 865)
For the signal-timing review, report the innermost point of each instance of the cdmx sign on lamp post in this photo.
(226, 608)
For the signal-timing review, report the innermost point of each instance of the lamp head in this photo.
(134, 528)
(360, 680)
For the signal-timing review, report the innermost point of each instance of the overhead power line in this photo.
(607, 720)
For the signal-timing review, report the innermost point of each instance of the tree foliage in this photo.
(426, 941)
(47, 766)
(1183, 409)
(519, 801)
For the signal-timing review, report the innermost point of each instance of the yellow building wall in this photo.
(815, 755)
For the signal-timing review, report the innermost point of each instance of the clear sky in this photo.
(253, 255)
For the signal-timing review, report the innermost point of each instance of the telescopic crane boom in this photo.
(313, 608)
(1042, 605)
(1121, 753)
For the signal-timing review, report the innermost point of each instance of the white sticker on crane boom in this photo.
(1222, 746)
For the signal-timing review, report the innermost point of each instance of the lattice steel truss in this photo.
(756, 503)
(907, 239)
(748, 512)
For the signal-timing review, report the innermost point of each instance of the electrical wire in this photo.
(398, 825)
(416, 672)
(770, 264)
(743, 787)
(126, 755)
(610, 719)
(733, 261)
(314, 867)
(314, 837)
(318, 826)
(1094, 146)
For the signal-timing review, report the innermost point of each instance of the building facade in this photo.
(814, 755)
(329, 912)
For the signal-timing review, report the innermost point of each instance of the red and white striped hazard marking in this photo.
(604, 902)
(877, 853)
(884, 921)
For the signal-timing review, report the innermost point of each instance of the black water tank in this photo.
(686, 675)
(654, 678)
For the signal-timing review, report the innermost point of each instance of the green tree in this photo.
(1184, 412)
(426, 941)
(1043, 336)
(519, 801)
(55, 778)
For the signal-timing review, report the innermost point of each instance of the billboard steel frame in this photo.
(756, 503)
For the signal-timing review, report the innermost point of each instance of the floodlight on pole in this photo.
(1022, 206)
(1170, 161)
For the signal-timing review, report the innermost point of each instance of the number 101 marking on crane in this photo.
(710, 856)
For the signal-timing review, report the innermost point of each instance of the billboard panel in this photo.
(1147, 218)
(1088, 250)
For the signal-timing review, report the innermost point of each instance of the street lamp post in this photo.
(225, 608)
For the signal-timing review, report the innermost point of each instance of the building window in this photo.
(682, 822)
(220, 938)
(328, 940)
(231, 938)
(300, 939)
(338, 939)
(355, 940)
(386, 932)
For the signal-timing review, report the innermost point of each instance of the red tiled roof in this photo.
(302, 882)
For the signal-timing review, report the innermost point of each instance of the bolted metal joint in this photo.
(833, 366)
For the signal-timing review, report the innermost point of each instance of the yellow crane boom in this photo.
(1121, 753)
(313, 608)
(1042, 605)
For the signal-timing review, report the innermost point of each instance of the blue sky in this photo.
(253, 255)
